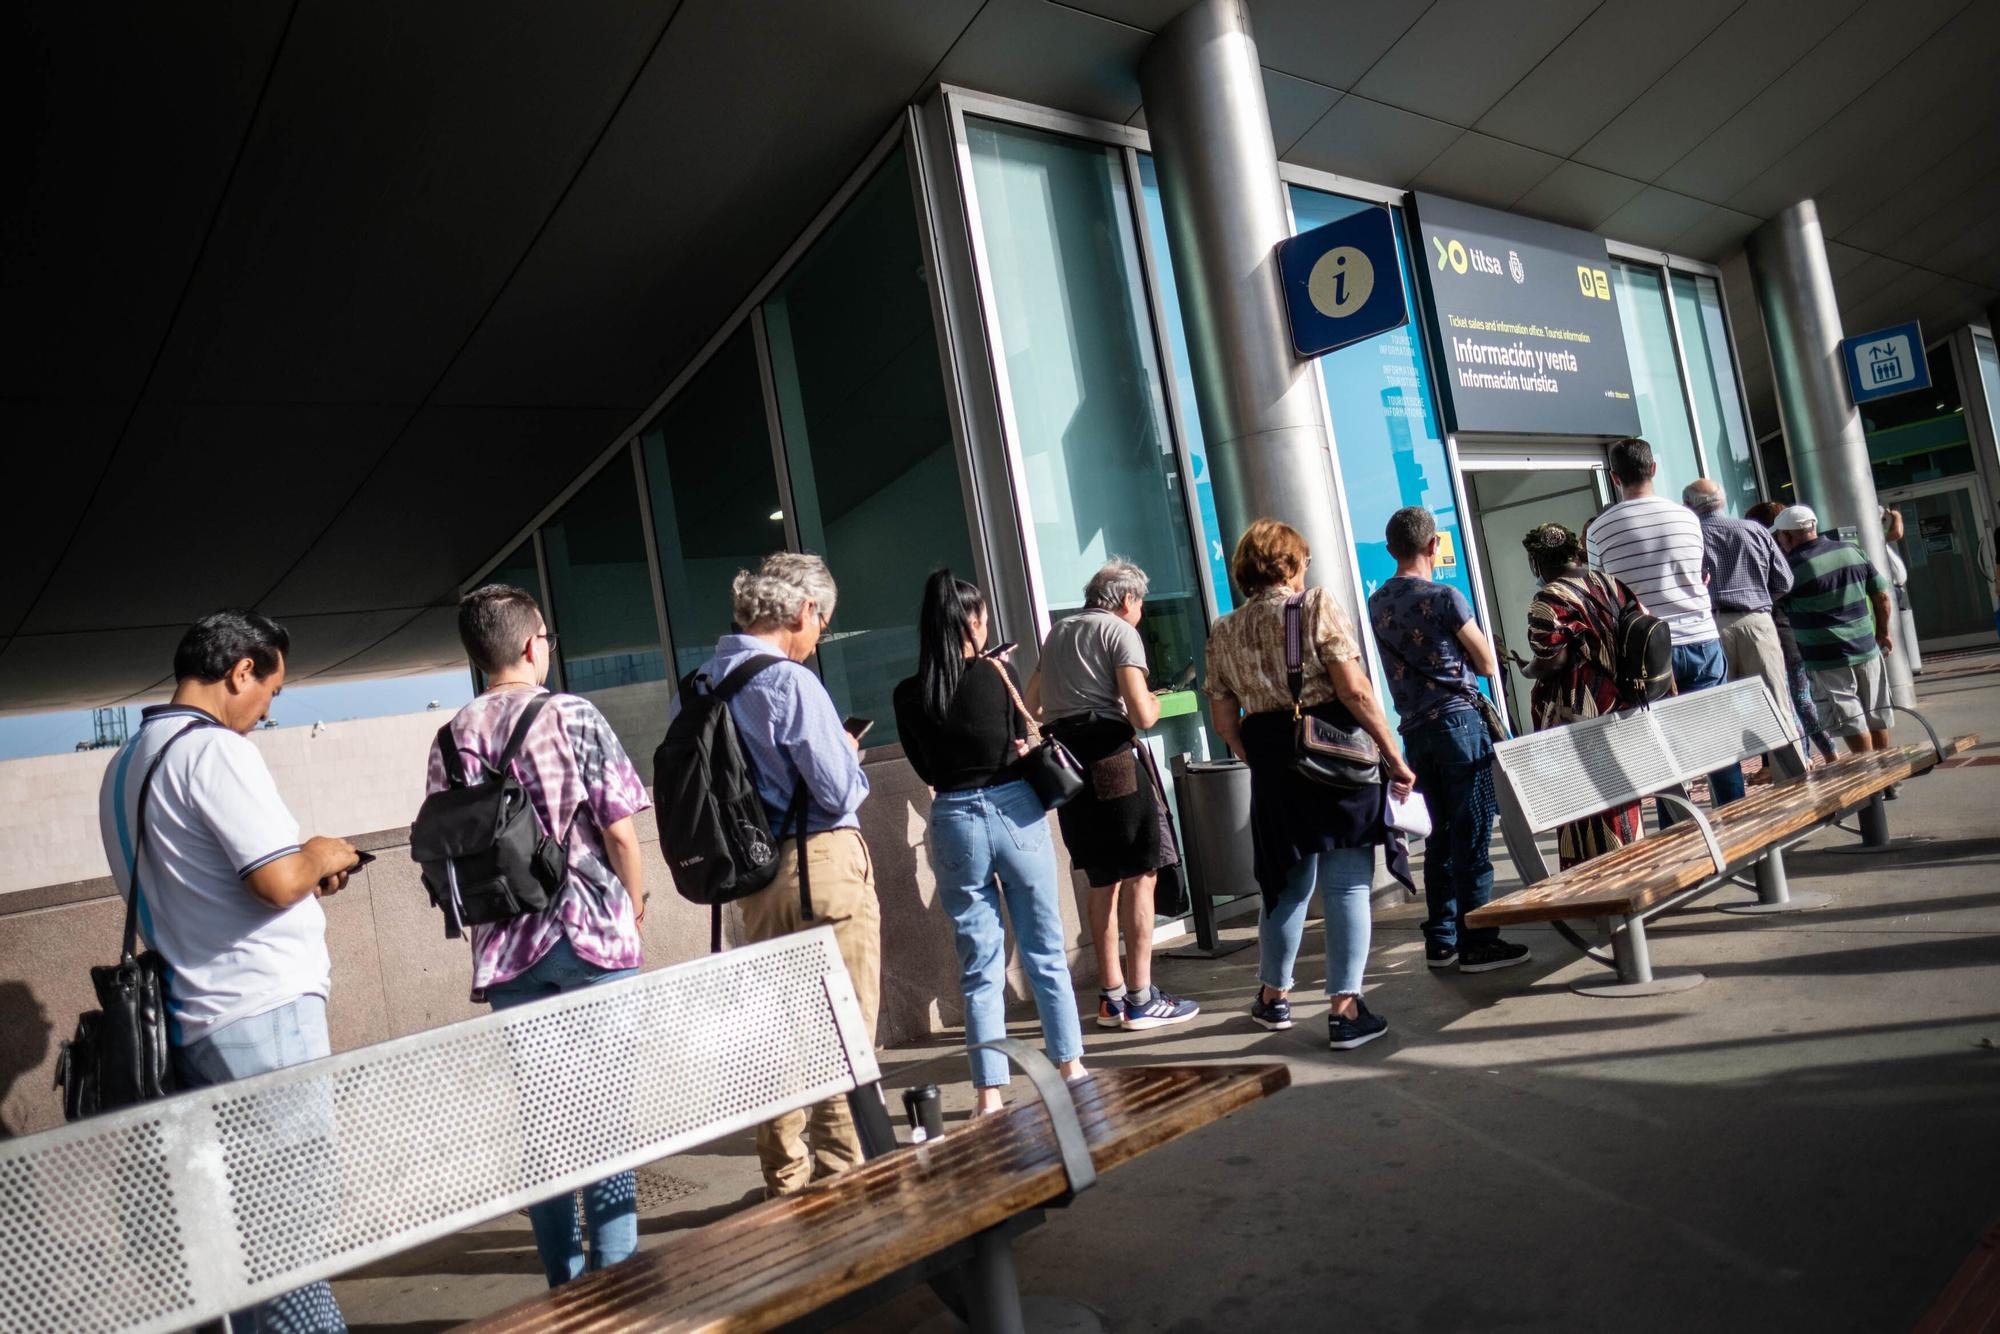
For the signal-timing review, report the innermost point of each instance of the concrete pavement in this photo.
(1808, 1140)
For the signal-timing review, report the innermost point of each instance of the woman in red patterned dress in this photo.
(1570, 624)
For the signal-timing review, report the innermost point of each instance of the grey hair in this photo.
(1702, 495)
(779, 589)
(1117, 580)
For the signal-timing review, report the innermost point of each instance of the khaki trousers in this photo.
(1750, 647)
(813, 1143)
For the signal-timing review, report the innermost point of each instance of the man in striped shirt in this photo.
(1841, 616)
(1655, 548)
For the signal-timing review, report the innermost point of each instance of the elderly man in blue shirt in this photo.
(1747, 574)
(792, 734)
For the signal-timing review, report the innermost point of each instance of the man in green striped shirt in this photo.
(1839, 607)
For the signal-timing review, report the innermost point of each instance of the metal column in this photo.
(1823, 437)
(1225, 214)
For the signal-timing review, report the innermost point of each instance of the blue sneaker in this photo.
(1275, 1015)
(1110, 1013)
(1157, 1012)
(1362, 1029)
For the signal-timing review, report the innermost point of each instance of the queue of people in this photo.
(229, 894)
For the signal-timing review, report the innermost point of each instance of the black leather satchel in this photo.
(121, 1054)
(1048, 767)
(1323, 751)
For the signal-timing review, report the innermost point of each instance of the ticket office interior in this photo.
(974, 358)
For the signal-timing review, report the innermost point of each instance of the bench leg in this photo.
(1872, 823)
(1774, 892)
(1635, 966)
(993, 1295)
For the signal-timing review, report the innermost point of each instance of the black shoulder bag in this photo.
(121, 1053)
(1323, 751)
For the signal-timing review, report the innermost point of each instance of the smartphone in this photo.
(361, 859)
(857, 727)
(1000, 649)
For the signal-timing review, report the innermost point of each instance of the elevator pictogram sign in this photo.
(1342, 282)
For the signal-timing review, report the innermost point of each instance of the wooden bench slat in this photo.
(1641, 874)
(783, 1259)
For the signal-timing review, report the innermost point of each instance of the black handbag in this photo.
(1048, 767)
(1323, 751)
(121, 1054)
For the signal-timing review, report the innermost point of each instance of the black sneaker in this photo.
(1440, 956)
(1362, 1029)
(1275, 1015)
(1485, 958)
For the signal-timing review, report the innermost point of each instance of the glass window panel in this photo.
(602, 592)
(1385, 429)
(1656, 377)
(868, 442)
(1084, 376)
(1989, 379)
(1712, 375)
(1214, 548)
(714, 495)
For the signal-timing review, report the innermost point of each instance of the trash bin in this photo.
(1214, 801)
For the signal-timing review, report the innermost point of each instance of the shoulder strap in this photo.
(1020, 705)
(131, 945)
(740, 675)
(448, 756)
(520, 733)
(1295, 647)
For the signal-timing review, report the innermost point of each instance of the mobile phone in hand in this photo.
(1000, 650)
(361, 859)
(858, 727)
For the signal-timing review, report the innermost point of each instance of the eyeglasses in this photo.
(544, 634)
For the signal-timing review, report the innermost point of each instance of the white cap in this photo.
(1795, 519)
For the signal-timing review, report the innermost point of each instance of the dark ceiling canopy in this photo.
(312, 307)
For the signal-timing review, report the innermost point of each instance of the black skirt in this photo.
(1117, 827)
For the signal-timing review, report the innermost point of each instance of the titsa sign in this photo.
(1525, 324)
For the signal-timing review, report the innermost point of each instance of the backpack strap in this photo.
(448, 756)
(739, 676)
(519, 735)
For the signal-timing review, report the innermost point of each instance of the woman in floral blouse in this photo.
(1304, 835)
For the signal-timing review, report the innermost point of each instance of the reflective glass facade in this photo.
(1725, 426)
(1656, 374)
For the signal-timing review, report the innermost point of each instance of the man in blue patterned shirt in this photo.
(1431, 649)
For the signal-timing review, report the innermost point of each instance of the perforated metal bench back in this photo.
(162, 1215)
(1569, 772)
(1711, 728)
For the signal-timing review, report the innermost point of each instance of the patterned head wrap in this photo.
(1552, 549)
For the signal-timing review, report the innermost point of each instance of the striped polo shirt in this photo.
(1654, 547)
(1831, 618)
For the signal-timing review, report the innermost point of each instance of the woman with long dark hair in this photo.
(965, 731)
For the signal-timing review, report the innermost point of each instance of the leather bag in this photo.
(121, 1054)
(1048, 767)
(1331, 754)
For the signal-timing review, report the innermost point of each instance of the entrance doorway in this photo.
(1948, 550)
(1507, 500)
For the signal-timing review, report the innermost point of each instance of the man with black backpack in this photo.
(552, 902)
(806, 771)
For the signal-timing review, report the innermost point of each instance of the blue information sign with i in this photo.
(1342, 282)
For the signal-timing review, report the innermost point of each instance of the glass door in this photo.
(1948, 547)
(1506, 503)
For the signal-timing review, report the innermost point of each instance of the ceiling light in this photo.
(777, 516)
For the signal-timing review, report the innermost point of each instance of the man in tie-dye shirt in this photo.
(584, 788)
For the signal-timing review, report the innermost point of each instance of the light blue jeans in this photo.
(292, 1034)
(610, 1206)
(1344, 878)
(1002, 833)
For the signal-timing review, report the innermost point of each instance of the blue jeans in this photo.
(1697, 667)
(610, 1206)
(1343, 877)
(1452, 757)
(292, 1034)
(1002, 833)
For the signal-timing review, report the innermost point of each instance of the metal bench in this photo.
(1548, 779)
(163, 1215)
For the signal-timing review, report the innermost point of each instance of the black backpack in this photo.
(1642, 647)
(714, 831)
(483, 853)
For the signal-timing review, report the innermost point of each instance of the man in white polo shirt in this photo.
(225, 891)
(1655, 548)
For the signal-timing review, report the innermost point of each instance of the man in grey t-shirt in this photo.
(1092, 674)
